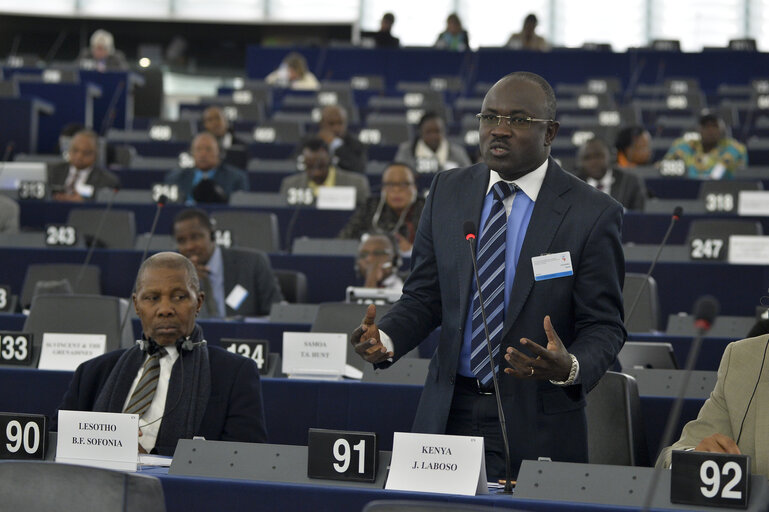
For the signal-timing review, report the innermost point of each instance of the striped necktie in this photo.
(148, 383)
(491, 274)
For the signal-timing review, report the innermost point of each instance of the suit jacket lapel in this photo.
(762, 427)
(549, 211)
(472, 191)
(229, 279)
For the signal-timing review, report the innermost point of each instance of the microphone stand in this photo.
(508, 481)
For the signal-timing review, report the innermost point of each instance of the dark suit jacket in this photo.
(351, 155)
(99, 178)
(627, 189)
(229, 178)
(234, 411)
(252, 271)
(586, 308)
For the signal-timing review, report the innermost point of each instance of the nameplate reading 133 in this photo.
(16, 348)
(22, 436)
(710, 479)
(340, 455)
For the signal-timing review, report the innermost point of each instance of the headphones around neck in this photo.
(151, 346)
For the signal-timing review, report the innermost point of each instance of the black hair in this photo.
(195, 213)
(627, 135)
(550, 102)
(314, 144)
(531, 17)
(390, 17)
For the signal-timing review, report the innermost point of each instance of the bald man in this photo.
(210, 180)
(200, 391)
(345, 148)
(80, 178)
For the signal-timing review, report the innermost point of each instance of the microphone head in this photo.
(677, 212)
(705, 312)
(469, 228)
(162, 200)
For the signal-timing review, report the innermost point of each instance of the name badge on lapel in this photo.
(550, 266)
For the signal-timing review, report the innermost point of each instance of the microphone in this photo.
(95, 237)
(109, 116)
(162, 200)
(705, 312)
(469, 228)
(677, 212)
(8, 150)
(55, 47)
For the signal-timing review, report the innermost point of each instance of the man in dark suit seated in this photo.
(345, 148)
(237, 282)
(210, 181)
(594, 168)
(558, 331)
(318, 172)
(178, 385)
(80, 178)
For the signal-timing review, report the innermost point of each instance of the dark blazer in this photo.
(627, 188)
(251, 270)
(586, 308)
(98, 178)
(229, 178)
(352, 154)
(234, 411)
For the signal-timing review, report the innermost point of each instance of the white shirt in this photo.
(148, 422)
(605, 182)
(76, 181)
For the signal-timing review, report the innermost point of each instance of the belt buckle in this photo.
(481, 390)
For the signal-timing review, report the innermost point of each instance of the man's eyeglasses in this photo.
(400, 185)
(512, 121)
(362, 255)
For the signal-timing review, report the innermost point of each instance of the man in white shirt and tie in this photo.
(78, 179)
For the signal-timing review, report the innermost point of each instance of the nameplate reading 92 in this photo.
(22, 436)
(16, 348)
(340, 455)
(258, 350)
(710, 479)
(59, 234)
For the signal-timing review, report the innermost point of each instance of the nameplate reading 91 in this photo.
(60, 235)
(258, 350)
(710, 479)
(22, 436)
(340, 455)
(16, 348)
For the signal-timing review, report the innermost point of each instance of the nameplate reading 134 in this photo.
(710, 479)
(339, 455)
(22, 436)
(258, 350)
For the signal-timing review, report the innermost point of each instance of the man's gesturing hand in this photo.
(366, 340)
(552, 363)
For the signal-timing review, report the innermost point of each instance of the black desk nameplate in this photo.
(16, 349)
(258, 350)
(23, 436)
(710, 479)
(60, 235)
(254, 461)
(341, 455)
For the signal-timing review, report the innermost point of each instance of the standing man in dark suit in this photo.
(237, 282)
(177, 385)
(594, 168)
(210, 181)
(80, 178)
(558, 331)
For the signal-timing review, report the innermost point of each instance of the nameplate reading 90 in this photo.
(22, 436)
(710, 479)
(340, 455)
(16, 348)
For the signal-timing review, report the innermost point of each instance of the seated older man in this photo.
(178, 385)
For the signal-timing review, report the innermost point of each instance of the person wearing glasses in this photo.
(378, 262)
(395, 212)
(551, 268)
